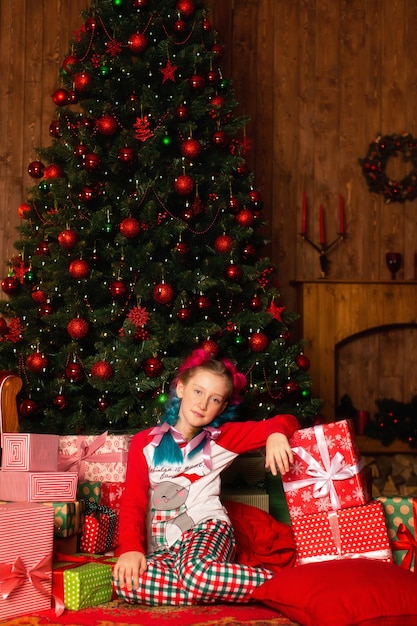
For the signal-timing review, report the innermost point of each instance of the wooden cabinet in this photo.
(333, 311)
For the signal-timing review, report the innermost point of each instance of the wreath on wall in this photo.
(375, 162)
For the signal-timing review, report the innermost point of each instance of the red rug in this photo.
(123, 614)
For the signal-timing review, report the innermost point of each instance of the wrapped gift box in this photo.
(29, 452)
(101, 458)
(100, 532)
(68, 518)
(89, 491)
(401, 518)
(26, 536)
(111, 495)
(327, 472)
(346, 533)
(38, 486)
(83, 580)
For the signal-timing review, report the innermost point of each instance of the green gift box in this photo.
(401, 510)
(89, 491)
(68, 518)
(82, 584)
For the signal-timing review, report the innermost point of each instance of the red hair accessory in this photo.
(198, 357)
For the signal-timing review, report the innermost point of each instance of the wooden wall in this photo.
(319, 79)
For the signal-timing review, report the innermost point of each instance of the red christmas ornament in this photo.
(73, 97)
(213, 78)
(118, 289)
(86, 194)
(163, 293)
(91, 162)
(42, 249)
(102, 404)
(79, 269)
(79, 151)
(102, 370)
(218, 51)
(35, 169)
(255, 196)
(3, 326)
(70, 63)
(184, 314)
(258, 341)
(129, 227)
(184, 185)
(77, 328)
(28, 408)
(207, 25)
(248, 252)
(256, 303)
(38, 295)
(10, 285)
(233, 272)
(59, 401)
(140, 4)
(210, 346)
(60, 97)
(53, 171)
(126, 154)
(242, 170)
(303, 362)
(190, 149)
(74, 372)
(182, 113)
(137, 43)
(90, 24)
(82, 81)
(223, 244)
(106, 125)
(67, 239)
(197, 82)
(24, 210)
(45, 309)
(185, 7)
(291, 387)
(54, 129)
(203, 303)
(219, 138)
(217, 101)
(153, 367)
(180, 27)
(244, 218)
(182, 248)
(36, 362)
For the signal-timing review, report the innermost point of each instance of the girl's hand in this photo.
(279, 455)
(128, 568)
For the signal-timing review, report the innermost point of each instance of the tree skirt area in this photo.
(124, 614)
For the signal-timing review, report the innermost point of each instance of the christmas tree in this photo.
(141, 237)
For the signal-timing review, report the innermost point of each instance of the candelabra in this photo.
(323, 249)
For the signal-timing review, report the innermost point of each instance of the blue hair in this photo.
(168, 451)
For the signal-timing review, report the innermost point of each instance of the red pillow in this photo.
(261, 540)
(351, 592)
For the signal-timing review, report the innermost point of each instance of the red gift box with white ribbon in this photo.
(360, 531)
(26, 540)
(327, 472)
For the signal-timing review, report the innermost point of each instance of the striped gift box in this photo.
(38, 486)
(29, 452)
(26, 539)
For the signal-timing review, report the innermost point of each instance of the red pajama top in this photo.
(160, 503)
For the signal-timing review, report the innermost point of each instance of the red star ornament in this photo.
(168, 72)
(275, 311)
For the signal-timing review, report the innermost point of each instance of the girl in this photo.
(176, 541)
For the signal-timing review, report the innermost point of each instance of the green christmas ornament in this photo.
(162, 398)
(239, 340)
(166, 141)
(104, 71)
(29, 277)
(117, 3)
(44, 186)
(306, 393)
(108, 228)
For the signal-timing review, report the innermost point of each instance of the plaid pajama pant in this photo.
(196, 569)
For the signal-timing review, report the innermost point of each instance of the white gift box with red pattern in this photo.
(101, 458)
(38, 486)
(26, 540)
(327, 472)
(30, 452)
(346, 533)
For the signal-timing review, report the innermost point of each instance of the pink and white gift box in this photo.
(29, 452)
(38, 486)
(101, 458)
(343, 534)
(327, 472)
(26, 539)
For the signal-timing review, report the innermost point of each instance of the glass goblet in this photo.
(394, 261)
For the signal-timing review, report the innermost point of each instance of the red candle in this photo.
(341, 216)
(322, 233)
(304, 215)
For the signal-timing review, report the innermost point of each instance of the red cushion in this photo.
(261, 540)
(351, 592)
